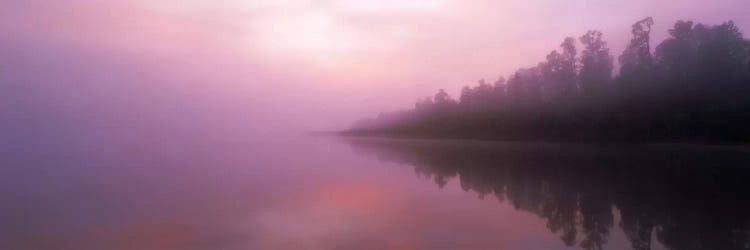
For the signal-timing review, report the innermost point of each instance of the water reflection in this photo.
(684, 197)
(317, 194)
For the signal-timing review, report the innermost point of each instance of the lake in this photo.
(325, 192)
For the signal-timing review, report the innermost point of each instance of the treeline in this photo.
(694, 86)
(682, 197)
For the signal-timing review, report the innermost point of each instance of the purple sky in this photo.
(274, 65)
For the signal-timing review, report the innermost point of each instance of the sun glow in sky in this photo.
(311, 35)
(351, 58)
(327, 34)
(391, 5)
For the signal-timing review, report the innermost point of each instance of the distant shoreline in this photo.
(587, 141)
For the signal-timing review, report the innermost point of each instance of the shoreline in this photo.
(675, 142)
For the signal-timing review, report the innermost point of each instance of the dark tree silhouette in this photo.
(636, 60)
(596, 63)
(694, 87)
(561, 70)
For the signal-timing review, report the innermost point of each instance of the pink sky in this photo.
(302, 64)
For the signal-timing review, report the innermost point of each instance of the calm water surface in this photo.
(365, 193)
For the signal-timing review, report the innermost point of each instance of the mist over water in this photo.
(346, 193)
(175, 124)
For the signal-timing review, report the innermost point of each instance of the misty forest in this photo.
(693, 86)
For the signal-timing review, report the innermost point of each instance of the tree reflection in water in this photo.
(687, 197)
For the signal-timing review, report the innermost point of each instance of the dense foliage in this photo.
(694, 86)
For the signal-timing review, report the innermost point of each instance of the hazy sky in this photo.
(290, 64)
